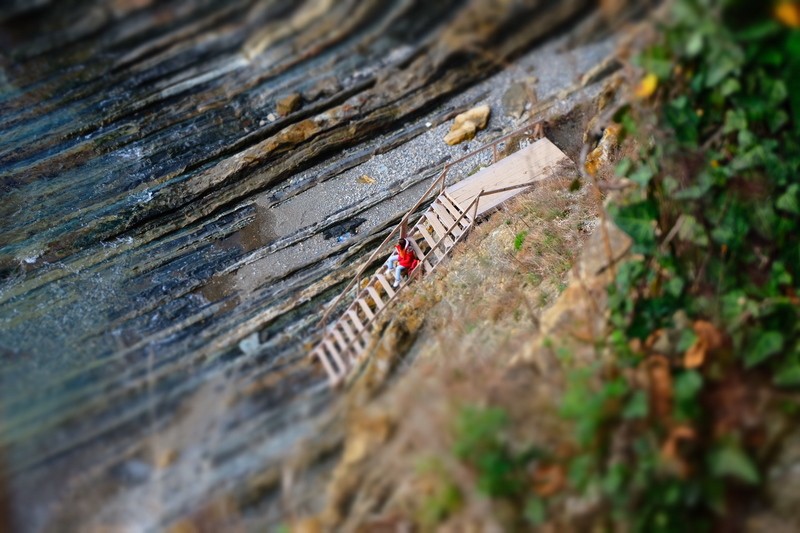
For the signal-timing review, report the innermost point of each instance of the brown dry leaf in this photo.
(367, 180)
(709, 338)
(549, 479)
(660, 378)
(669, 450)
(635, 346)
(653, 338)
(792, 295)
(695, 355)
(788, 13)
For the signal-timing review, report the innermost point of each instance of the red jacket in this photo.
(406, 257)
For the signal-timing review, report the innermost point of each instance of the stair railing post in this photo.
(475, 209)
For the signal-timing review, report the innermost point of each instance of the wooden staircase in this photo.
(453, 211)
(437, 231)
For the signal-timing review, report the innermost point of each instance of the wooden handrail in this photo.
(400, 228)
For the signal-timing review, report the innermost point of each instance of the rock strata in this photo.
(162, 245)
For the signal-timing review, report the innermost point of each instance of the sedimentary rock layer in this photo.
(155, 246)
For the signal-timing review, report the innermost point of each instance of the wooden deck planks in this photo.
(539, 161)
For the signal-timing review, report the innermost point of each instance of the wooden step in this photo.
(333, 374)
(351, 335)
(460, 208)
(355, 319)
(357, 338)
(335, 356)
(446, 219)
(344, 346)
(365, 307)
(441, 231)
(438, 253)
(385, 284)
(375, 297)
(432, 259)
(454, 211)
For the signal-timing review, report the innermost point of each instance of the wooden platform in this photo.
(539, 161)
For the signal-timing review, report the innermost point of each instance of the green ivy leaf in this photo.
(695, 44)
(759, 31)
(535, 511)
(735, 120)
(692, 231)
(657, 60)
(788, 375)
(722, 67)
(638, 221)
(674, 287)
(730, 86)
(687, 385)
(767, 344)
(731, 461)
(777, 93)
(777, 120)
(642, 175)
(623, 168)
(637, 406)
(580, 471)
(788, 201)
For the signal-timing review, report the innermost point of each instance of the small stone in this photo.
(271, 117)
(133, 471)
(262, 122)
(250, 344)
(428, 124)
(517, 99)
(165, 458)
(367, 180)
(467, 124)
(324, 87)
(288, 104)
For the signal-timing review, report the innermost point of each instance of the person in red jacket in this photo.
(406, 260)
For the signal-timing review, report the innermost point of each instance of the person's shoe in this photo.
(396, 284)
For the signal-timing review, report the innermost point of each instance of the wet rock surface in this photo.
(173, 222)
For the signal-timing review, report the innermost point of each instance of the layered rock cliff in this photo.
(181, 195)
